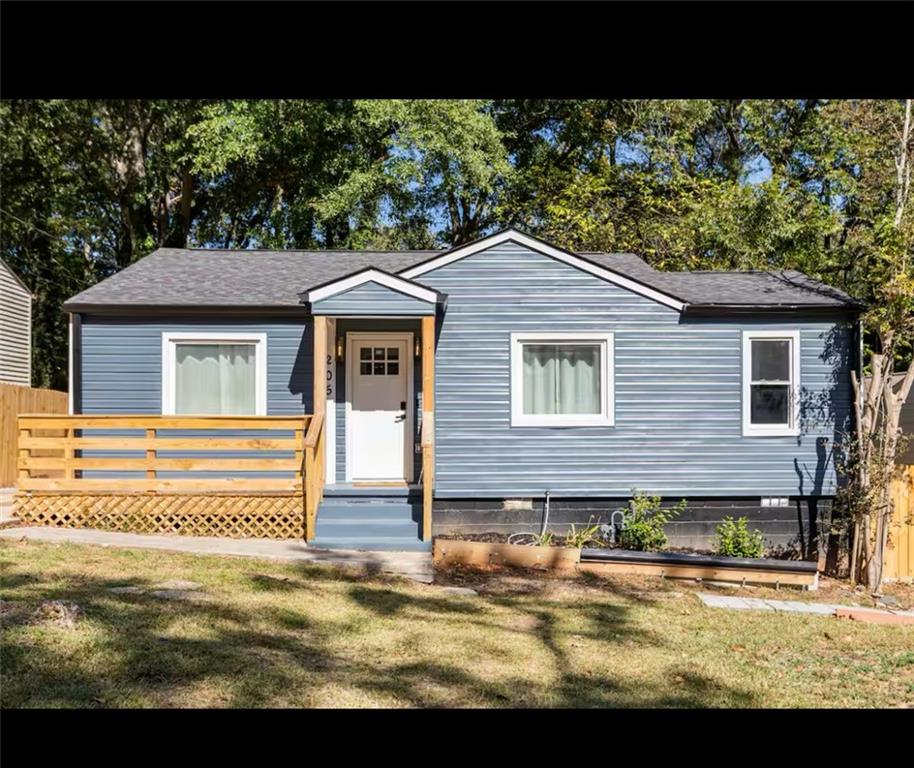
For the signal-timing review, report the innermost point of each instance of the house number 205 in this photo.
(329, 375)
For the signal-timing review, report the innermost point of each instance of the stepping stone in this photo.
(734, 603)
(125, 590)
(873, 617)
(756, 603)
(460, 591)
(796, 606)
(715, 601)
(180, 594)
(177, 584)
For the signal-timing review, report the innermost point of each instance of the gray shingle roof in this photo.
(246, 278)
(206, 277)
(783, 288)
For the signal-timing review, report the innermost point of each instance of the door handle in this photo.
(402, 416)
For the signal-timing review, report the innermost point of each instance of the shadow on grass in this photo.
(389, 602)
(137, 650)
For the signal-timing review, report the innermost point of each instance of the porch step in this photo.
(346, 490)
(335, 529)
(369, 519)
(333, 510)
(374, 544)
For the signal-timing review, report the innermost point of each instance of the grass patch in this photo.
(291, 635)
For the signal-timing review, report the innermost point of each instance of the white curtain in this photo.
(215, 379)
(561, 379)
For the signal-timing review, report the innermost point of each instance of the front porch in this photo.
(235, 476)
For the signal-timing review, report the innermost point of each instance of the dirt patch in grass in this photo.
(299, 635)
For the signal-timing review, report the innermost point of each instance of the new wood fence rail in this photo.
(315, 461)
(14, 400)
(899, 560)
(220, 475)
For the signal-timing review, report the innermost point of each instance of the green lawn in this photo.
(278, 635)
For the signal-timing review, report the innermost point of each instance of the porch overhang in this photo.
(372, 292)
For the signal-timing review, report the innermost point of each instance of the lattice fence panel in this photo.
(235, 516)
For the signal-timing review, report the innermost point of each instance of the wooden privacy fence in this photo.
(14, 400)
(207, 475)
(899, 561)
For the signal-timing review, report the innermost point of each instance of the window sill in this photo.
(773, 432)
(533, 421)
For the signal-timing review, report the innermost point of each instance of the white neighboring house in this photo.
(15, 329)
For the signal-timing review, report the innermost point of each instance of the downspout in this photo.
(545, 515)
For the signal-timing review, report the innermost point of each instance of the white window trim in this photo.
(170, 339)
(772, 430)
(606, 418)
(70, 402)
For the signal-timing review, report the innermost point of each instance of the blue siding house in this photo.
(574, 376)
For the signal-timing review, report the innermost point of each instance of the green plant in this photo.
(577, 539)
(644, 521)
(543, 539)
(734, 539)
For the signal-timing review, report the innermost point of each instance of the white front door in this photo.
(378, 419)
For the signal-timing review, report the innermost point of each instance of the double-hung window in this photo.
(771, 383)
(561, 379)
(214, 374)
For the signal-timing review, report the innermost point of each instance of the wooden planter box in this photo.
(677, 565)
(607, 562)
(455, 551)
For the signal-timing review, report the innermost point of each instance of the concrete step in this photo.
(372, 543)
(356, 529)
(353, 491)
(366, 512)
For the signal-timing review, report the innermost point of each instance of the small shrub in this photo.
(577, 539)
(734, 539)
(644, 521)
(543, 539)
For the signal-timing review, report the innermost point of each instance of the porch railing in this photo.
(315, 466)
(119, 454)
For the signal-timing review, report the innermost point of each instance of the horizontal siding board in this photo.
(122, 361)
(678, 405)
(15, 330)
(372, 299)
(678, 412)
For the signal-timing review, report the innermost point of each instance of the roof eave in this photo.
(735, 309)
(184, 309)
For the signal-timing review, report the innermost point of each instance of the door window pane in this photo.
(379, 369)
(379, 353)
(365, 369)
(365, 353)
(393, 369)
(215, 379)
(561, 379)
(393, 353)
